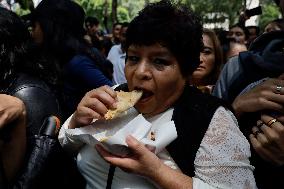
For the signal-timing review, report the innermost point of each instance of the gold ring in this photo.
(270, 122)
(278, 89)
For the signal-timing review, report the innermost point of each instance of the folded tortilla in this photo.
(126, 100)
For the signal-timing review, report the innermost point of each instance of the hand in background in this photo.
(268, 139)
(262, 97)
(11, 109)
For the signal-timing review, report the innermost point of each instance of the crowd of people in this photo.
(222, 92)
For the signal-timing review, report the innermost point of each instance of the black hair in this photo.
(62, 23)
(242, 26)
(279, 22)
(13, 39)
(124, 24)
(115, 24)
(92, 20)
(257, 29)
(174, 26)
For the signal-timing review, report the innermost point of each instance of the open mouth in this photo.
(146, 94)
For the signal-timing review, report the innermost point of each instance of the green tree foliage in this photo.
(231, 8)
(128, 9)
(123, 14)
(269, 12)
(97, 8)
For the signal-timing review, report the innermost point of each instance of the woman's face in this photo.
(156, 71)
(238, 34)
(116, 31)
(37, 33)
(207, 61)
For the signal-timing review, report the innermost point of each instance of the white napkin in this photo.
(112, 133)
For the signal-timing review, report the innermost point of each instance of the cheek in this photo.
(169, 88)
(210, 63)
(129, 72)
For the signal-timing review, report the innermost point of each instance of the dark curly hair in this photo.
(174, 26)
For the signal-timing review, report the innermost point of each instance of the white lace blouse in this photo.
(221, 161)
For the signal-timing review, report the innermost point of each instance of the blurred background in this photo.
(217, 14)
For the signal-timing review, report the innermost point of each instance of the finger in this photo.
(88, 113)
(96, 105)
(104, 94)
(267, 119)
(280, 117)
(111, 158)
(265, 154)
(104, 153)
(104, 89)
(261, 137)
(259, 124)
(278, 86)
(136, 146)
(150, 148)
(272, 102)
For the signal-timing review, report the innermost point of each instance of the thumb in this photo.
(135, 146)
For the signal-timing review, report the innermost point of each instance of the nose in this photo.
(143, 70)
(201, 57)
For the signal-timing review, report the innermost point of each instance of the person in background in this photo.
(207, 73)
(117, 57)
(234, 49)
(259, 110)
(32, 81)
(116, 33)
(253, 83)
(274, 25)
(254, 32)
(93, 34)
(159, 64)
(239, 33)
(60, 42)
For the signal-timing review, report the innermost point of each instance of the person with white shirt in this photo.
(209, 152)
(117, 57)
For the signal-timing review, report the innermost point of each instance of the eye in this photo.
(239, 34)
(132, 59)
(160, 61)
(206, 51)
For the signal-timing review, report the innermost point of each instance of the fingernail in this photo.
(131, 139)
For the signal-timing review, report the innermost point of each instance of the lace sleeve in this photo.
(222, 159)
(67, 139)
